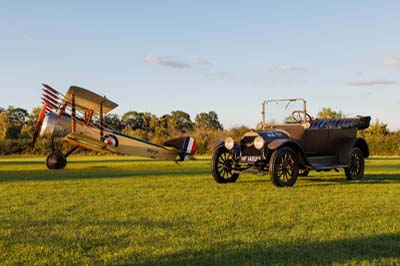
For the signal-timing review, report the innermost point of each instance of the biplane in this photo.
(70, 117)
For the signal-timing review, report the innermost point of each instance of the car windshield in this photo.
(283, 111)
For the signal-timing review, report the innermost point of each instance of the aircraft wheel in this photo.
(356, 169)
(222, 166)
(284, 167)
(56, 160)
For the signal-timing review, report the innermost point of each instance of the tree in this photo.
(113, 121)
(328, 113)
(3, 125)
(11, 122)
(164, 121)
(376, 129)
(154, 123)
(208, 121)
(133, 120)
(149, 121)
(17, 116)
(181, 121)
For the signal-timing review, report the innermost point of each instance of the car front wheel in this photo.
(356, 169)
(222, 166)
(284, 167)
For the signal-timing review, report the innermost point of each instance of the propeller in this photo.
(39, 123)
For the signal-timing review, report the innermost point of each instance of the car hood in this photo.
(267, 135)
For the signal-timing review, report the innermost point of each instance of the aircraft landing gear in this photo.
(56, 160)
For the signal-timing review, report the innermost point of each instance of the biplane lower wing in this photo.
(89, 143)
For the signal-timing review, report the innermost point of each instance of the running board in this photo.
(325, 162)
(320, 167)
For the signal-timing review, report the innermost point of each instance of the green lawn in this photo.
(129, 211)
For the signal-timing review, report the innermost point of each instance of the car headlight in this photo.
(229, 143)
(258, 143)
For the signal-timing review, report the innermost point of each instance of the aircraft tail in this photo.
(187, 146)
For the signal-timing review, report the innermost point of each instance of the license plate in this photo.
(250, 159)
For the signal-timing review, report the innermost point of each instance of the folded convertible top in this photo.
(360, 122)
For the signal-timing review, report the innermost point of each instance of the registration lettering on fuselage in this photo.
(152, 151)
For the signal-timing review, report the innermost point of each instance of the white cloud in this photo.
(152, 59)
(174, 64)
(371, 82)
(197, 61)
(392, 61)
(285, 69)
(162, 61)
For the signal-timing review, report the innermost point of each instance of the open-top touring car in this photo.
(294, 147)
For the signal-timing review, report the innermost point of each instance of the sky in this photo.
(201, 56)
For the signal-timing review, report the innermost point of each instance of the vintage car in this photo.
(294, 147)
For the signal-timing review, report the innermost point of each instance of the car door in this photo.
(316, 141)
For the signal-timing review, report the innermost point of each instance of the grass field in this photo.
(128, 211)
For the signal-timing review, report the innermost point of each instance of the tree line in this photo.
(17, 127)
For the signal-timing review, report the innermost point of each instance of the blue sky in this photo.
(198, 56)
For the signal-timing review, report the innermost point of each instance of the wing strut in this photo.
(73, 114)
(101, 122)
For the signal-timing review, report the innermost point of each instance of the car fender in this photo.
(362, 144)
(275, 144)
(216, 144)
(344, 152)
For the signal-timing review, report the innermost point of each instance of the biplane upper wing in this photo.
(88, 100)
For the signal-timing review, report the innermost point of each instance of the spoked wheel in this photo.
(222, 165)
(284, 167)
(356, 169)
(56, 160)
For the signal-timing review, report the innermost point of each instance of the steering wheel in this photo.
(298, 116)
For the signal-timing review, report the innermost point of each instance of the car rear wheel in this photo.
(284, 167)
(222, 166)
(356, 169)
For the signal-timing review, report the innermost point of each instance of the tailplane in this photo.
(187, 146)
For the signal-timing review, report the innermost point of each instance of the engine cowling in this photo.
(55, 127)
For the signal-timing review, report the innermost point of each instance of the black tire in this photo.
(56, 160)
(303, 172)
(221, 166)
(356, 169)
(284, 167)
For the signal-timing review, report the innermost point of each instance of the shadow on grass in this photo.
(368, 179)
(333, 180)
(95, 168)
(315, 253)
(86, 160)
(96, 173)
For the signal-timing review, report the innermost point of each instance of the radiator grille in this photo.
(247, 147)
